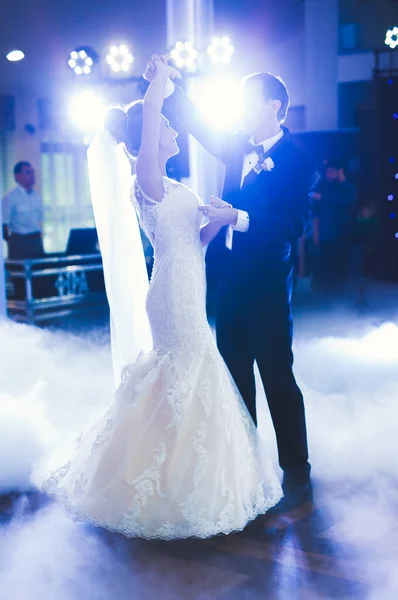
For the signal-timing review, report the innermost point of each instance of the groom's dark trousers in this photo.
(254, 279)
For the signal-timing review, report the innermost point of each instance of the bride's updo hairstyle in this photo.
(125, 125)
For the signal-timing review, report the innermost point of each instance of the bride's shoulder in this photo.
(141, 197)
(172, 183)
(138, 195)
(184, 189)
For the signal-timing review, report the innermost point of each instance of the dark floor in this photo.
(301, 555)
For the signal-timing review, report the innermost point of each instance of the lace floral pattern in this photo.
(147, 208)
(177, 454)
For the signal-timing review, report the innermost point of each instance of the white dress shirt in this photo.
(250, 160)
(22, 211)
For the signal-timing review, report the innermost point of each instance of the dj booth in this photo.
(57, 285)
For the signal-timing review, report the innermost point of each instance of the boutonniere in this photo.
(264, 164)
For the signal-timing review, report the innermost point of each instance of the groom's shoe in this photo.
(293, 480)
(297, 490)
(294, 497)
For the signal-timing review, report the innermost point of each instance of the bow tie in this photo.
(249, 149)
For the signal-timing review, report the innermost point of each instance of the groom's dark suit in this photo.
(254, 279)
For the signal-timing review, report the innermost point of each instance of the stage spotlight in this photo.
(184, 56)
(87, 111)
(82, 60)
(392, 38)
(120, 59)
(219, 98)
(220, 50)
(15, 56)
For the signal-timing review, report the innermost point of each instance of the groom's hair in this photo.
(273, 89)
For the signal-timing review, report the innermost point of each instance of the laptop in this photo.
(82, 241)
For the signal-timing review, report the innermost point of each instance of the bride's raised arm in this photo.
(148, 168)
(221, 144)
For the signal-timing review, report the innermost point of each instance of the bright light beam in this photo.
(81, 60)
(220, 50)
(87, 112)
(120, 59)
(15, 56)
(184, 55)
(392, 38)
(219, 98)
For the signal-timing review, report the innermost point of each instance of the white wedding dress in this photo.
(177, 454)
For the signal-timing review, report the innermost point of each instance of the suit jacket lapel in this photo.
(250, 178)
(252, 175)
(234, 169)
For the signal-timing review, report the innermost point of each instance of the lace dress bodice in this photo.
(176, 298)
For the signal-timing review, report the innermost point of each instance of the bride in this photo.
(176, 455)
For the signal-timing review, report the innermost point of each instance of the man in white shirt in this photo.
(250, 262)
(22, 210)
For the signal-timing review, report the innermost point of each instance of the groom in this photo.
(267, 182)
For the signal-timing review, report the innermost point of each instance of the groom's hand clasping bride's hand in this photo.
(218, 203)
(219, 212)
(159, 62)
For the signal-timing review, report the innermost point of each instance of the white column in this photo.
(190, 20)
(321, 64)
(194, 20)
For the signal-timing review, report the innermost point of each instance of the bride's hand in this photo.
(218, 203)
(158, 65)
(220, 217)
(166, 70)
